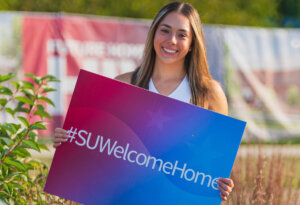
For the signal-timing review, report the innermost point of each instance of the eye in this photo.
(164, 30)
(181, 35)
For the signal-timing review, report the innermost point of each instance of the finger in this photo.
(224, 193)
(227, 181)
(224, 198)
(58, 140)
(60, 135)
(55, 145)
(60, 130)
(224, 187)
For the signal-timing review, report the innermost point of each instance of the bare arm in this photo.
(217, 100)
(125, 78)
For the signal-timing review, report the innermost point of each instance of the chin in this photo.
(170, 61)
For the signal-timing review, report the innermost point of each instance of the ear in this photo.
(190, 49)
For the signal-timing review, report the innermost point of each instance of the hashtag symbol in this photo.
(72, 134)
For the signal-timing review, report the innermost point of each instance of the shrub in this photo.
(21, 177)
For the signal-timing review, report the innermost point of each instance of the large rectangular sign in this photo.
(128, 145)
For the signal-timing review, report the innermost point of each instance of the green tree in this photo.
(289, 11)
(289, 8)
(233, 12)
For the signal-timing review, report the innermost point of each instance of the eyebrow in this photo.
(168, 26)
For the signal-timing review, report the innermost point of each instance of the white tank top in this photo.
(182, 92)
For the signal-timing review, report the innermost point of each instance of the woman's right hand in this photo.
(60, 135)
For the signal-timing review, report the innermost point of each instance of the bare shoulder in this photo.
(125, 77)
(217, 99)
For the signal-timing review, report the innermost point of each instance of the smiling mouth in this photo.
(169, 51)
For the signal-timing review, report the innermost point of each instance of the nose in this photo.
(172, 38)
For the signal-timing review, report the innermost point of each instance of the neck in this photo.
(168, 71)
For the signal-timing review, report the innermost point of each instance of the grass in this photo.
(284, 141)
(261, 180)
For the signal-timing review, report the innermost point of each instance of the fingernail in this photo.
(66, 139)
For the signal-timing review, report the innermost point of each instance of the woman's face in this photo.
(173, 38)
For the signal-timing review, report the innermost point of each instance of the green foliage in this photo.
(233, 12)
(290, 8)
(21, 177)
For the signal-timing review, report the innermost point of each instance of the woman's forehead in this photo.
(176, 21)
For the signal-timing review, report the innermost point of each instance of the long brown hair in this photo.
(195, 63)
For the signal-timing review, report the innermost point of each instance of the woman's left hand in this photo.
(225, 186)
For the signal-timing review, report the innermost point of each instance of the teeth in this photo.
(169, 51)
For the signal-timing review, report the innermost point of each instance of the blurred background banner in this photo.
(263, 80)
(61, 45)
(258, 68)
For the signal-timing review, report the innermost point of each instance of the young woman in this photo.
(174, 64)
